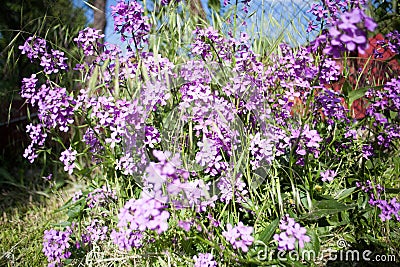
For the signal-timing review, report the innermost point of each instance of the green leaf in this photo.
(74, 212)
(62, 225)
(344, 193)
(349, 238)
(356, 94)
(324, 208)
(314, 244)
(269, 231)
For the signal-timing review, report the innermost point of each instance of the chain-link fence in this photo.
(280, 20)
(277, 19)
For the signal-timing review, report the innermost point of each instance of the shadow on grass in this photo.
(21, 185)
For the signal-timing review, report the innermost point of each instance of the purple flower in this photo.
(203, 48)
(30, 153)
(100, 197)
(68, 159)
(347, 33)
(367, 151)
(388, 209)
(291, 232)
(28, 89)
(95, 232)
(34, 47)
(382, 102)
(307, 141)
(204, 260)
(285, 241)
(152, 136)
(144, 213)
(209, 156)
(328, 175)
(185, 225)
(35, 133)
(393, 41)
(54, 104)
(239, 236)
(89, 40)
(77, 196)
(262, 150)
(127, 239)
(232, 189)
(91, 140)
(130, 23)
(330, 103)
(56, 246)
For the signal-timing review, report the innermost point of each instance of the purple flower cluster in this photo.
(91, 140)
(181, 192)
(328, 175)
(306, 142)
(370, 187)
(393, 41)
(211, 115)
(204, 260)
(137, 216)
(152, 136)
(330, 11)
(262, 150)
(55, 105)
(118, 122)
(127, 239)
(95, 232)
(29, 91)
(239, 236)
(68, 158)
(294, 70)
(390, 43)
(192, 194)
(36, 48)
(383, 102)
(290, 233)
(38, 137)
(388, 208)
(348, 34)
(55, 108)
(329, 103)
(144, 213)
(130, 22)
(100, 197)
(209, 156)
(56, 246)
(232, 189)
(89, 40)
(209, 42)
